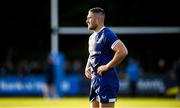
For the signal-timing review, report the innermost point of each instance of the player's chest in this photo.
(96, 43)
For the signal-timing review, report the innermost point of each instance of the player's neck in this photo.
(98, 29)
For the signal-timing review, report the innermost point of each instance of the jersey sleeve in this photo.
(111, 39)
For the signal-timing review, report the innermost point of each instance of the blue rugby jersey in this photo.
(100, 48)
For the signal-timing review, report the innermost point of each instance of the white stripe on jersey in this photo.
(114, 44)
(92, 42)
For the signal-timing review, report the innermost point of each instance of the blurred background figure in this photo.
(133, 71)
(50, 89)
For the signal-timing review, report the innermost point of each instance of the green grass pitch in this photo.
(82, 102)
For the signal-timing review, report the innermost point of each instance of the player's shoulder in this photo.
(108, 32)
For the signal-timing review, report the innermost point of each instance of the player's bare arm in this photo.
(88, 70)
(120, 53)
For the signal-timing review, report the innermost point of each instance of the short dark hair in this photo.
(97, 10)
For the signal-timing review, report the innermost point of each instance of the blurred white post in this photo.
(54, 26)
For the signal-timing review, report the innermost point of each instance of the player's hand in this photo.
(102, 69)
(88, 73)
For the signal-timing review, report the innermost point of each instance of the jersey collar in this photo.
(99, 30)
